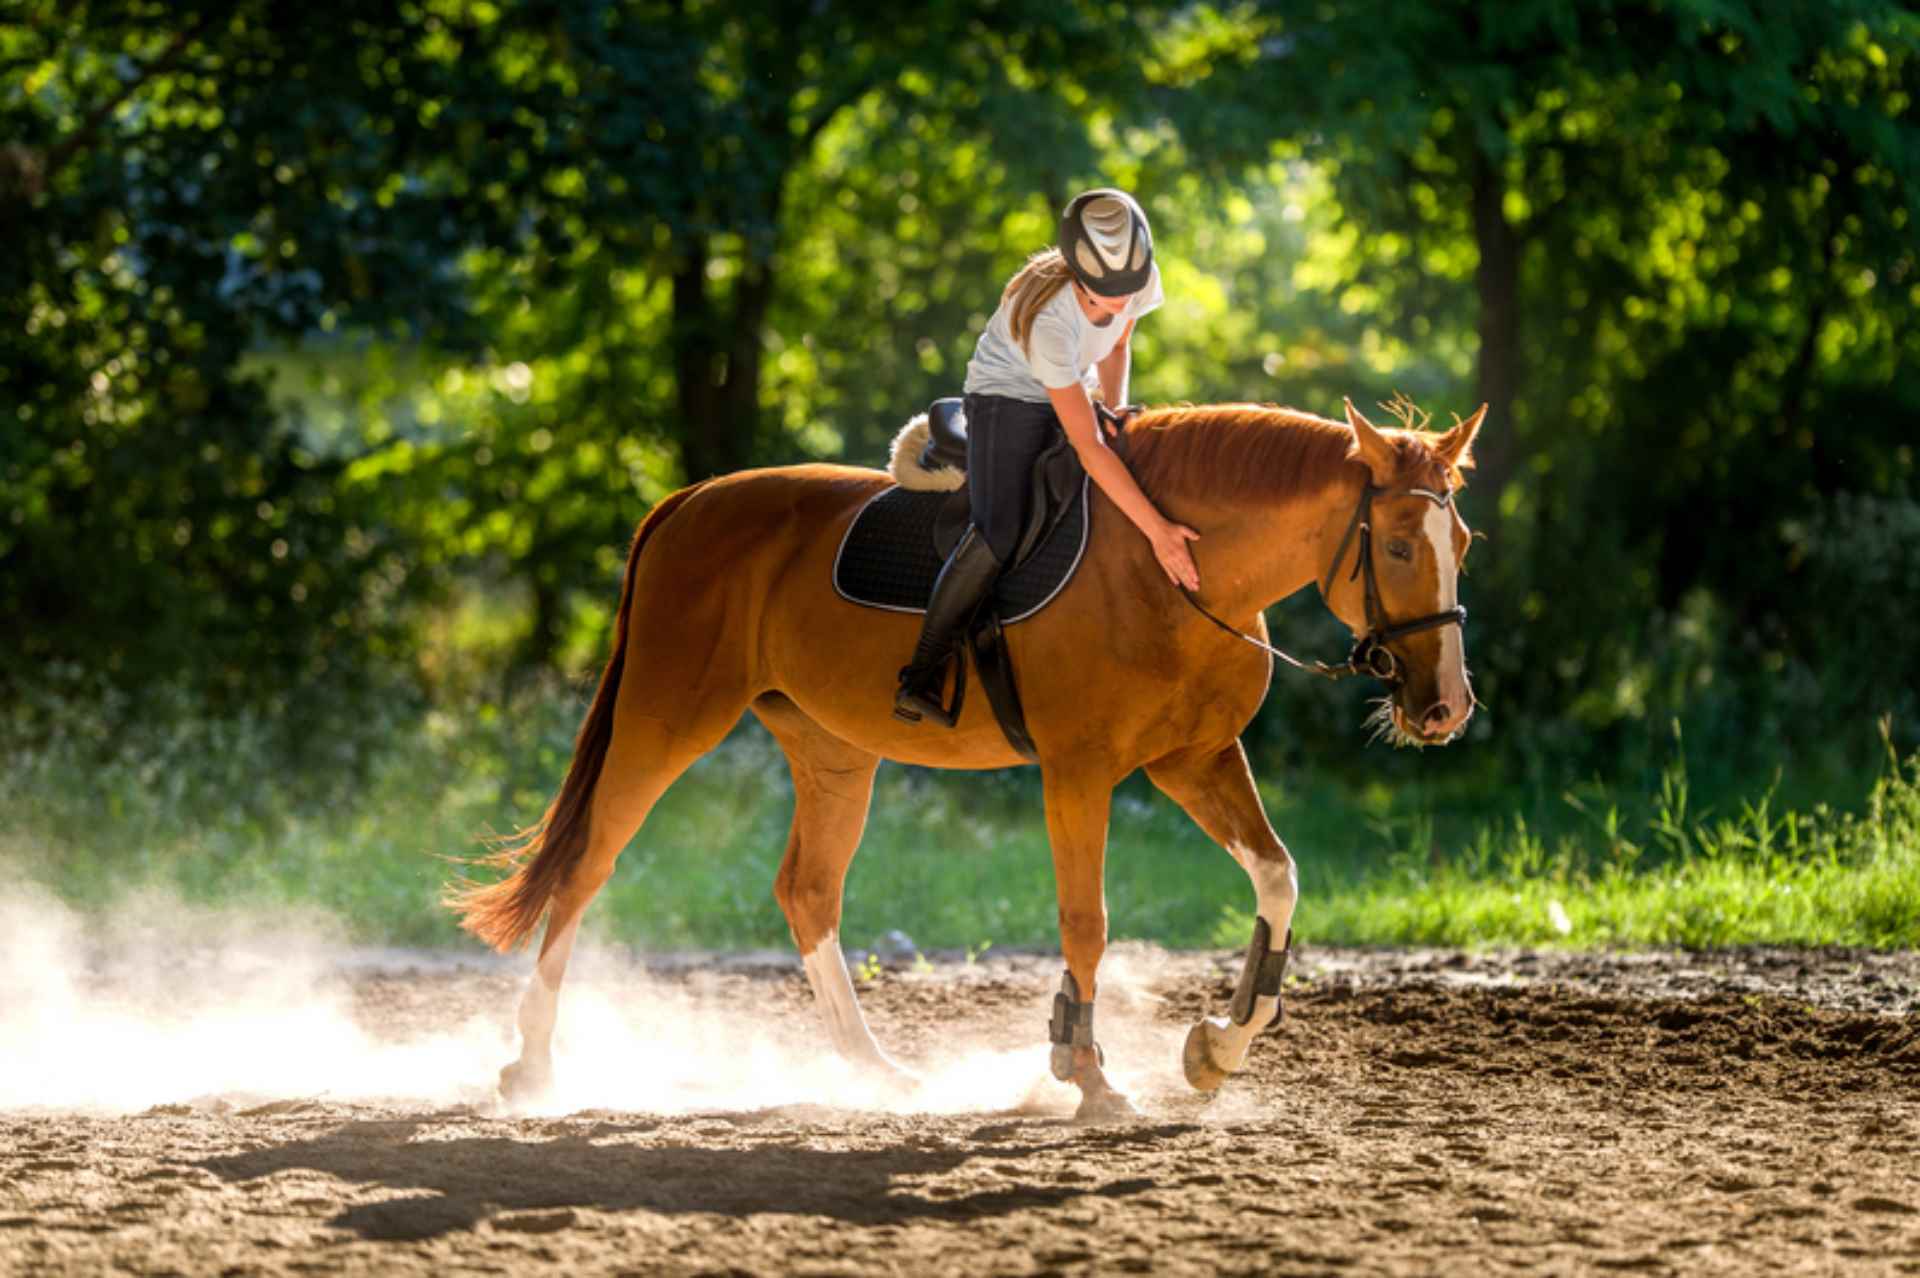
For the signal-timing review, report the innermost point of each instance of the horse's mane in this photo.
(1249, 452)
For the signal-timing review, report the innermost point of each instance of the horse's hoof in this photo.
(521, 1083)
(1196, 1058)
(1105, 1106)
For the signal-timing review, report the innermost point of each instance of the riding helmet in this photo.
(1105, 240)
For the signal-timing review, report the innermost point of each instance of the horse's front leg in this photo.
(1216, 788)
(1077, 811)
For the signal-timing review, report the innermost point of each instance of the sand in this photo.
(1420, 1112)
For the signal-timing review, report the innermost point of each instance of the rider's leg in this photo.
(968, 576)
(1004, 438)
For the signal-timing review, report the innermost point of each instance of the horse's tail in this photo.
(542, 856)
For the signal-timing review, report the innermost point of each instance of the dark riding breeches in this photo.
(1004, 439)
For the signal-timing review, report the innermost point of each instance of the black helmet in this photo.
(1104, 237)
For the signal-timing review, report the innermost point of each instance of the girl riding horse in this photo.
(1066, 318)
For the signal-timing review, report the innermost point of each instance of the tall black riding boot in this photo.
(964, 581)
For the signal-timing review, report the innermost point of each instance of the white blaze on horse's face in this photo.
(1419, 575)
(1419, 551)
(1446, 537)
(1419, 571)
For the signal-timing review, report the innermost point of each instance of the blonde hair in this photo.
(1031, 288)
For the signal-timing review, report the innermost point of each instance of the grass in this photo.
(1759, 875)
(955, 861)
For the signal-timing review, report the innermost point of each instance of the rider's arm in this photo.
(1169, 539)
(1115, 367)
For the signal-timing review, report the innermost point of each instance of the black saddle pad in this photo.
(887, 559)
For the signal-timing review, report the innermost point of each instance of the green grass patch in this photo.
(956, 861)
(1759, 875)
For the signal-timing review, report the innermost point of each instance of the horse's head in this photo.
(1395, 577)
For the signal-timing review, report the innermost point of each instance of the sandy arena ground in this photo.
(1421, 1112)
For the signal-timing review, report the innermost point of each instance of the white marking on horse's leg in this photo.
(1452, 672)
(1276, 886)
(539, 1006)
(827, 973)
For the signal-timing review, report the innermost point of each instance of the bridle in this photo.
(1370, 655)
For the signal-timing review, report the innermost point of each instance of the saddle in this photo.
(898, 542)
(1057, 479)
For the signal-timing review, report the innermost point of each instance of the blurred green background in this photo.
(342, 348)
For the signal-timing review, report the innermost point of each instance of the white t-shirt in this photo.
(1064, 345)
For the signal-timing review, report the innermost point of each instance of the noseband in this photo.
(1370, 655)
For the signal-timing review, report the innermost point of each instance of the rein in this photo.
(1370, 655)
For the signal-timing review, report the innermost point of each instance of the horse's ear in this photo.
(1371, 447)
(1455, 448)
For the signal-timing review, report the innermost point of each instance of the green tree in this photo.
(1670, 233)
(832, 172)
(185, 182)
(561, 222)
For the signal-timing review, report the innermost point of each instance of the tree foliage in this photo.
(1677, 240)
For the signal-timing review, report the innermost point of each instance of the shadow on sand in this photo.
(473, 1178)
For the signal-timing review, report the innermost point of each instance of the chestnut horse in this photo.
(728, 606)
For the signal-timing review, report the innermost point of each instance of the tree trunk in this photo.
(699, 366)
(1497, 281)
(717, 358)
(535, 651)
(739, 435)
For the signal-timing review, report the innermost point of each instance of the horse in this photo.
(727, 607)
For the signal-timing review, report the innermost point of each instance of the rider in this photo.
(1063, 324)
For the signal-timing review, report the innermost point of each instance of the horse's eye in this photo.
(1400, 550)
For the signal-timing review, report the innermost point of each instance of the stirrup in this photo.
(911, 706)
(918, 696)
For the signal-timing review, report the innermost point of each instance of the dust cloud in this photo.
(155, 1001)
(159, 1002)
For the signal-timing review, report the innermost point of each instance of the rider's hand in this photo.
(1114, 420)
(1170, 548)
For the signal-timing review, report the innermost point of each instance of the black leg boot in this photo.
(964, 581)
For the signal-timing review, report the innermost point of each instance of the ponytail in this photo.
(1044, 275)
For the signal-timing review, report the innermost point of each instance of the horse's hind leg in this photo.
(832, 788)
(1216, 788)
(646, 756)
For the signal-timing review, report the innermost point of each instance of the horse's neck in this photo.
(1252, 557)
